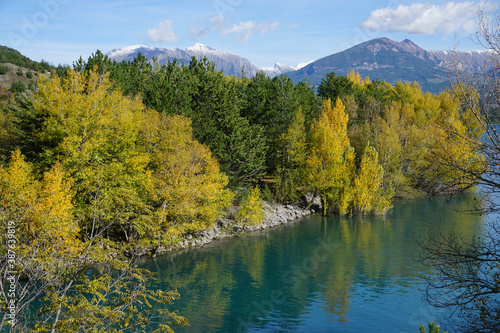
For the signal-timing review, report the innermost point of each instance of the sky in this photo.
(263, 31)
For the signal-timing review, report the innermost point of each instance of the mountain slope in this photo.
(391, 61)
(380, 58)
(229, 63)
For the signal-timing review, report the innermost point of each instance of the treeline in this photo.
(164, 149)
(114, 157)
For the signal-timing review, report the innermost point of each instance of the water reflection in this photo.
(319, 274)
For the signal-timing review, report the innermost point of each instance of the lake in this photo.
(317, 274)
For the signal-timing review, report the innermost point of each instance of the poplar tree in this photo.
(330, 165)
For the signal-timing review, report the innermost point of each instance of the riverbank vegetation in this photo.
(113, 157)
(465, 273)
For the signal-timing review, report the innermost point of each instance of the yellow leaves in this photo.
(329, 132)
(43, 210)
(17, 182)
(137, 173)
(331, 162)
(356, 78)
(331, 168)
(251, 211)
(87, 118)
(368, 194)
(188, 182)
(54, 209)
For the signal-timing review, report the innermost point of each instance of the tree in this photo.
(291, 158)
(330, 165)
(238, 145)
(47, 284)
(189, 188)
(369, 194)
(465, 274)
(333, 86)
(251, 210)
(94, 132)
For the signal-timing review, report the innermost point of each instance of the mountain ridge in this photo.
(230, 63)
(379, 58)
(391, 61)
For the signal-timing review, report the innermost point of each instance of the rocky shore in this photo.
(274, 215)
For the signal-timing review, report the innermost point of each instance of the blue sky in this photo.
(286, 31)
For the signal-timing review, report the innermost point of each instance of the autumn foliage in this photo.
(113, 158)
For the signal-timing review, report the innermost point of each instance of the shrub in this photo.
(4, 69)
(17, 87)
(19, 71)
(251, 211)
(29, 74)
(432, 328)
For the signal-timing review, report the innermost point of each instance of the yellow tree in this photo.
(251, 211)
(330, 166)
(94, 131)
(189, 188)
(357, 79)
(369, 195)
(41, 210)
(18, 193)
(454, 161)
(54, 212)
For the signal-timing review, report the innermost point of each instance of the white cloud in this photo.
(163, 33)
(243, 30)
(426, 18)
(215, 23)
(246, 29)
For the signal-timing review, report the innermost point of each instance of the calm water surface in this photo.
(318, 274)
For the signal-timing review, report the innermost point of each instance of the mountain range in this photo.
(230, 64)
(380, 58)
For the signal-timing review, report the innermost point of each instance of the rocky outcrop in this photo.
(274, 215)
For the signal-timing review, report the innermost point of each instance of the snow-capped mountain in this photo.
(380, 58)
(230, 64)
(391, 61)
(279, 68)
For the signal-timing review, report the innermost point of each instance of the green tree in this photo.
(291, 160)
(17, 87)
(239, 147)
(333, 86)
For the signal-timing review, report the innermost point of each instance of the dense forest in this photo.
(108, 157)
(172, 146)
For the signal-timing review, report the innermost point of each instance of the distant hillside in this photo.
(391, 61)
(11, 56)
(18, 68)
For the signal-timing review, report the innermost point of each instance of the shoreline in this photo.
(275, 214)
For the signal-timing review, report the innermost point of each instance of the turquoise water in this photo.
(318, 274)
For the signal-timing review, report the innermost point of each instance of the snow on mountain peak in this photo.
(198, 47)
(279, 68)
(302, 64)
(123, 51)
